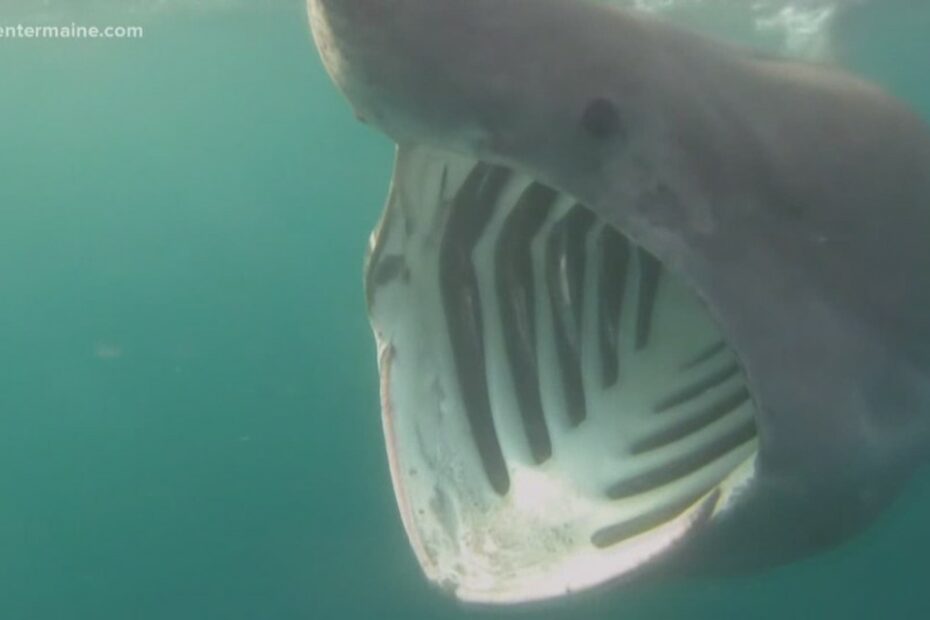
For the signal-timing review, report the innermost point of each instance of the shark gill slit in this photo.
(515, 292)
(615, 260)
(693, 425)
(472, 208)
(565, 268)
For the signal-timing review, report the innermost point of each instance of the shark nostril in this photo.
(601, 119)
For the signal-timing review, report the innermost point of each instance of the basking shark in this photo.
(645, 304)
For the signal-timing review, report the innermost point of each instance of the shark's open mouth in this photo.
(559, 408)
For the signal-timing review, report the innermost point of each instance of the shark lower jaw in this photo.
(559, 409)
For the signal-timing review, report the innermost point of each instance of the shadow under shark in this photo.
(641, 299)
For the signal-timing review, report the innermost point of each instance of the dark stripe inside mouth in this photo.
(471, 211)
(649, 271)
(684, 464)
(703, 418)
(565, 269)
(615, 263)
(699, 387)
(624, 530)
(517, 300)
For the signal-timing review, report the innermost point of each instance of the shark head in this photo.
(475, 87)
(644, 303)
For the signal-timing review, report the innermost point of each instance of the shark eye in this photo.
(601, 119)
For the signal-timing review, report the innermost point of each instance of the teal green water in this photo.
(189, 423)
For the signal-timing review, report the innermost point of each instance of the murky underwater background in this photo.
(189, 423)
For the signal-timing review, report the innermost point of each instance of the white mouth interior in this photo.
(558, 408)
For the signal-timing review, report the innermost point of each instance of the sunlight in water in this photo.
(798, 28)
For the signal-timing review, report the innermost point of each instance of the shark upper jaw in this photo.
(469, 77)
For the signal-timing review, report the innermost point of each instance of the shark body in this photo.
(643, 301)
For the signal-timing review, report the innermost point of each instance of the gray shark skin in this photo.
(793, 200)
